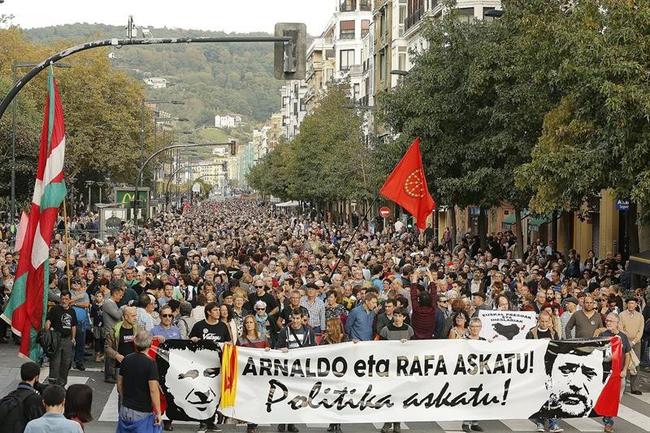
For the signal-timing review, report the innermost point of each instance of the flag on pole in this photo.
(407, 186)
(27, 306)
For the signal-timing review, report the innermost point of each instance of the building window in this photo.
(355, 91)
(347, 59)
(330, 54)
(383, 28)
(401, 59)
(295, 108)
(465, 15)
(365, 5)
(485, 10)
(365, 27)
(328, 75)
(348, 6)
(382, 65)
(347, 29)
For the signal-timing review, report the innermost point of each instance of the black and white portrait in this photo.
(190, 375)
(576, 376)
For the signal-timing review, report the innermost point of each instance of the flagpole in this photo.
(365, 216)
(67, 244)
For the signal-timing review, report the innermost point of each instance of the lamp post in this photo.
(153, 155)
(14, 77)
(162, 120)
(142, 133)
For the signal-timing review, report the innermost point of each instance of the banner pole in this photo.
(67, 244)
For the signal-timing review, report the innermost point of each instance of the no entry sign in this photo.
(384, 212)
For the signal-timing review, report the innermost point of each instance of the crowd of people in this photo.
(239, 271)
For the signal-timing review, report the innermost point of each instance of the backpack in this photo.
(12, 412)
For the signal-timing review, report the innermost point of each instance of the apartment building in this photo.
(335, 55)
(417, 11)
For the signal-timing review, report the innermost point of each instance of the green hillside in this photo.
(210, 78)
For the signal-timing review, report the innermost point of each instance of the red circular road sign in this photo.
(384, 212)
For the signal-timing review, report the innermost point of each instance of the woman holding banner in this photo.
(475, 326)
(334, 334)
(251, 338)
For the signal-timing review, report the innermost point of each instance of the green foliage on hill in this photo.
(210, 78)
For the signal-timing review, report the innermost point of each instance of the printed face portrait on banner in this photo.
(576, 377)
(190, 375)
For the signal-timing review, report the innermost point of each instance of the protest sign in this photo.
(420, 381)
(506, 325)
(389, 380)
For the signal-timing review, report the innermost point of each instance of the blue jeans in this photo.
(552, 422)
(80, 344)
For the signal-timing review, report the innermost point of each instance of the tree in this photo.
(597, 136)
(327, 161)
(448, 100)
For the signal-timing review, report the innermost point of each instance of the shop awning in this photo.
(640, 263)
(288, 204)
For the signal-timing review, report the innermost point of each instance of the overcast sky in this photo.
(226, 15)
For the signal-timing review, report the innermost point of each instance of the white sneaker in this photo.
(540, 427)
(556, 429)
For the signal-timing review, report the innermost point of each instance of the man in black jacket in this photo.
(28, 394)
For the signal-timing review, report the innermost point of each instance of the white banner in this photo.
(387, 381)
(506, 325)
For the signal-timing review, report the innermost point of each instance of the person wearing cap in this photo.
(631, 323)
(570, 307)
(478, 301)
(263, 319)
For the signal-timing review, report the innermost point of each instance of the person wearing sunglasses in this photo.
(166, 329)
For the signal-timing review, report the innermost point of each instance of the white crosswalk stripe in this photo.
(634, 417)
(643, 397)
(519, 424)
(109, 413)
(379, 425)
(584, 424)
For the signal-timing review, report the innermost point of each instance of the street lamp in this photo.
(142, 125)
(153, 155)
(14, 78)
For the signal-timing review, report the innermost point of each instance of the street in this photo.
(633, 413)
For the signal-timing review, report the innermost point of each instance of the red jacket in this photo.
(423, 320)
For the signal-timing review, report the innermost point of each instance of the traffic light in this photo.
(233, 148)
(290, 57)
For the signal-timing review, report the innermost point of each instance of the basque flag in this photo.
(27, 306)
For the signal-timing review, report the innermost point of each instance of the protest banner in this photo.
(389, 380)
(506, 325)
(421, 381)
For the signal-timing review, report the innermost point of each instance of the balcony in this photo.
(413, 19)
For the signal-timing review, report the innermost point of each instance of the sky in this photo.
(225, 15)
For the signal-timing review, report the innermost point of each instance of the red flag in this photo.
(407, 186)
(26, 309)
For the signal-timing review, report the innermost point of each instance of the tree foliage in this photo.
(102, 108)
(326, 161)
(598, 135)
